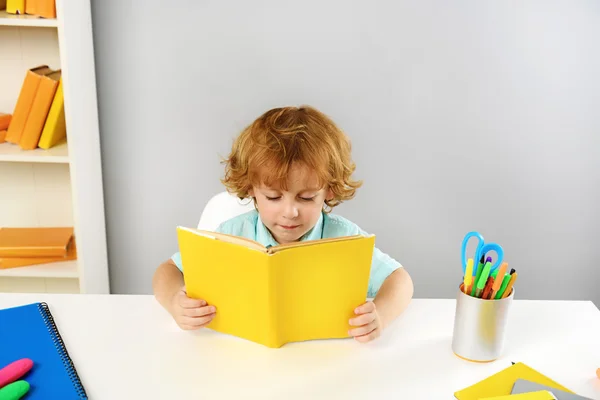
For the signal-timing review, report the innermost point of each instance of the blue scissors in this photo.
(482, 248)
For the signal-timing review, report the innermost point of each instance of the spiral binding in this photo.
(60, 346)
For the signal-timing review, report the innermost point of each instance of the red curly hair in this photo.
(266, 150)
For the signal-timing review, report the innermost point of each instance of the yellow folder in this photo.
(287, 293)
(501, 383)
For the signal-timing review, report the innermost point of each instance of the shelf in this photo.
(7, 19)
(66, 269)
(13, 153)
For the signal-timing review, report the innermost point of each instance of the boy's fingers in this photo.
(187, 327)
(363, 330)
(199, 311)
(190, 327)
(367, 307)
(362, 319)
(197, 322)
(367, 338)
(187, 302)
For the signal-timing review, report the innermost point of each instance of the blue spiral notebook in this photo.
(29, 331)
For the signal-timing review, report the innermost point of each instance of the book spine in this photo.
(62, 350)
(274, 328)
(23, 106)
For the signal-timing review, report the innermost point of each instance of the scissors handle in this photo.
(496, 248)
(478, 251)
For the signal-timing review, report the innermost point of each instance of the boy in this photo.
(296, 165)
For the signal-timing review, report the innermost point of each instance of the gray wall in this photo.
(464, 115)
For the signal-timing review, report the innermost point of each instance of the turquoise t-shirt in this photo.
(250, 226)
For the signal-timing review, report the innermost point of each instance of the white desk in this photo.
(128, 347)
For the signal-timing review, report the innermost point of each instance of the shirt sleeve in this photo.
(176, 258)
(382, 265)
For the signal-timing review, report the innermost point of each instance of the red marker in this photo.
(14, 371)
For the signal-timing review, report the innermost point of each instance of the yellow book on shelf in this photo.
(286, 293)
(501, 383)
(538, 395)
(55, 128)
(15, 6)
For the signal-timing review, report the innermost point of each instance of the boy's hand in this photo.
(367, 321)
(190, 313)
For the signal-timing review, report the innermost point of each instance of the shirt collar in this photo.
(264, 237)
(316, 232)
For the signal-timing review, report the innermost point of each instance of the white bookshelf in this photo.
(61, 186)
(7, 19)
(61, 270)
(58, 154)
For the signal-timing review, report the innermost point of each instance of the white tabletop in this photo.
(128, 347)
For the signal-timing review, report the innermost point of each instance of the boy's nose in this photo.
(291, 211)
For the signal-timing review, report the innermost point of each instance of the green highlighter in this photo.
(14, 391)
(477, 275)
(482, 280)
(502, 288)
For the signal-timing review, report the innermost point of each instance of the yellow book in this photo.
(501, 383)
(538, 395)
(55, 128)
(287, 293)
(15, 6)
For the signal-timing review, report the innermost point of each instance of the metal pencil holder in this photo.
(479, 327)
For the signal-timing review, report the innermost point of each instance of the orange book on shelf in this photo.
(35, 242)
(14, 262)
(4, 120)
(15, 6)
(32, 80)
(55, 128)
(46, 8)
(31, 7)
(39, 111)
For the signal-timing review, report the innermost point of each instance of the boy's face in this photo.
(290, 214)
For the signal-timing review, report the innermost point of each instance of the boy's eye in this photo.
(273, 198)
(306, 198)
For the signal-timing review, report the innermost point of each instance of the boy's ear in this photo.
(329, 195)
(251, 192)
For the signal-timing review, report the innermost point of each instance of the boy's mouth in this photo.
(289, 227)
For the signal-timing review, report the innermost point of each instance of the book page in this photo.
(242, 241)
(285, 246)
(235, 279)
(318, 287)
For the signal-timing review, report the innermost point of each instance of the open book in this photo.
(285, 293)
